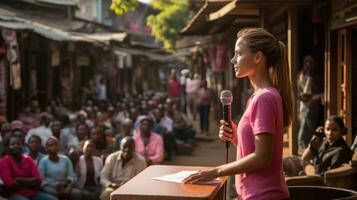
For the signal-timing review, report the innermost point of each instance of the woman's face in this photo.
(15, 146)
(34, 144)
(96, 134)
(82, 132)
(145, 127)
(333, 131)
(52, 146)
(243, 59)
(56, 127)
(88, 148)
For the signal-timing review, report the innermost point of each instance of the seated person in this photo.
(19, 173)
(5, 132)
(82, 132)
(57, 172)
(182, 127)
(148, 143)
(329, 152)
(167, 134)
(121, 166)
(88, 172)
(127, 130)
(98, 137)
(34, 145)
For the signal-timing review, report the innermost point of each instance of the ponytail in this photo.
(280, 78)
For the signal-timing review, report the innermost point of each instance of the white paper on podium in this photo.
(180, 176)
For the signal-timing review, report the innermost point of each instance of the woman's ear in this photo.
(258, 57)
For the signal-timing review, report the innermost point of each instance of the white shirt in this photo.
(43, 132)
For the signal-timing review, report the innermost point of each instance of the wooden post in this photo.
(293, 62)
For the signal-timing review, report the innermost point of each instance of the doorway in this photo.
(354, 81)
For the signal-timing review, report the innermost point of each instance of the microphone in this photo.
(226, 100)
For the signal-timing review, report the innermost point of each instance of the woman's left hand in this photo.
(205, 175)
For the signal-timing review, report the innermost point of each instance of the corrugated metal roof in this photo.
(56, 2)
(11, 21)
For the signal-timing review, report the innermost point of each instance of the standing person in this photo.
(101, 90)
(183, 96)
(203, 104)
(174, 88)
(20, 174)
(259, 134)
(309, 95)
(193, 83)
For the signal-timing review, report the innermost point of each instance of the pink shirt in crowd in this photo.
(192, 85)
(173, 88)
(154, 150)
(263, 115)
(10, 169)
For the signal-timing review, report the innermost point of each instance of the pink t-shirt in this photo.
(154, 150)
(263, 115)
(10, 169)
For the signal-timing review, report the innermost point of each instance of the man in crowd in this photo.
(120, 167)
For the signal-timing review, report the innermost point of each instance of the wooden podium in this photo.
(143, 187)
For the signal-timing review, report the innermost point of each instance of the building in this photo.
(323, 29)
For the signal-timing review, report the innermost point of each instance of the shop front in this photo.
(341, 65)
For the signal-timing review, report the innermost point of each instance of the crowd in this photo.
(58, 153)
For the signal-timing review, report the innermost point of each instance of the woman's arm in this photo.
(260, 158)
(31, 182)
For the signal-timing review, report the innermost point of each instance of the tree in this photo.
(173, 16)
(123, 6)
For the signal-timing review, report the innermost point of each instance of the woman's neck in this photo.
(33, 154)
(53, 157)
(259, 80)
(16, 157)
(87, 157)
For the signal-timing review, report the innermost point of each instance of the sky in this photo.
(145, 1)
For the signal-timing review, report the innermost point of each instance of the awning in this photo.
(148, 54)
(56, 2)
(219, 14)
(10, 21)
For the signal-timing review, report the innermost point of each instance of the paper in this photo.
(180, 176)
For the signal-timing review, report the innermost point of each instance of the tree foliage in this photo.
(166, 25)
(123, 6)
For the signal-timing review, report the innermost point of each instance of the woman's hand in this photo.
(228, 134)
(205, 175)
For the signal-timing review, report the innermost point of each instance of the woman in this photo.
(57, 172)
(34, 145)
(203, 104)
(20, 174)
(82, 131)
(259, 134)
(88, 172)
(98, 137)
(333, 151)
